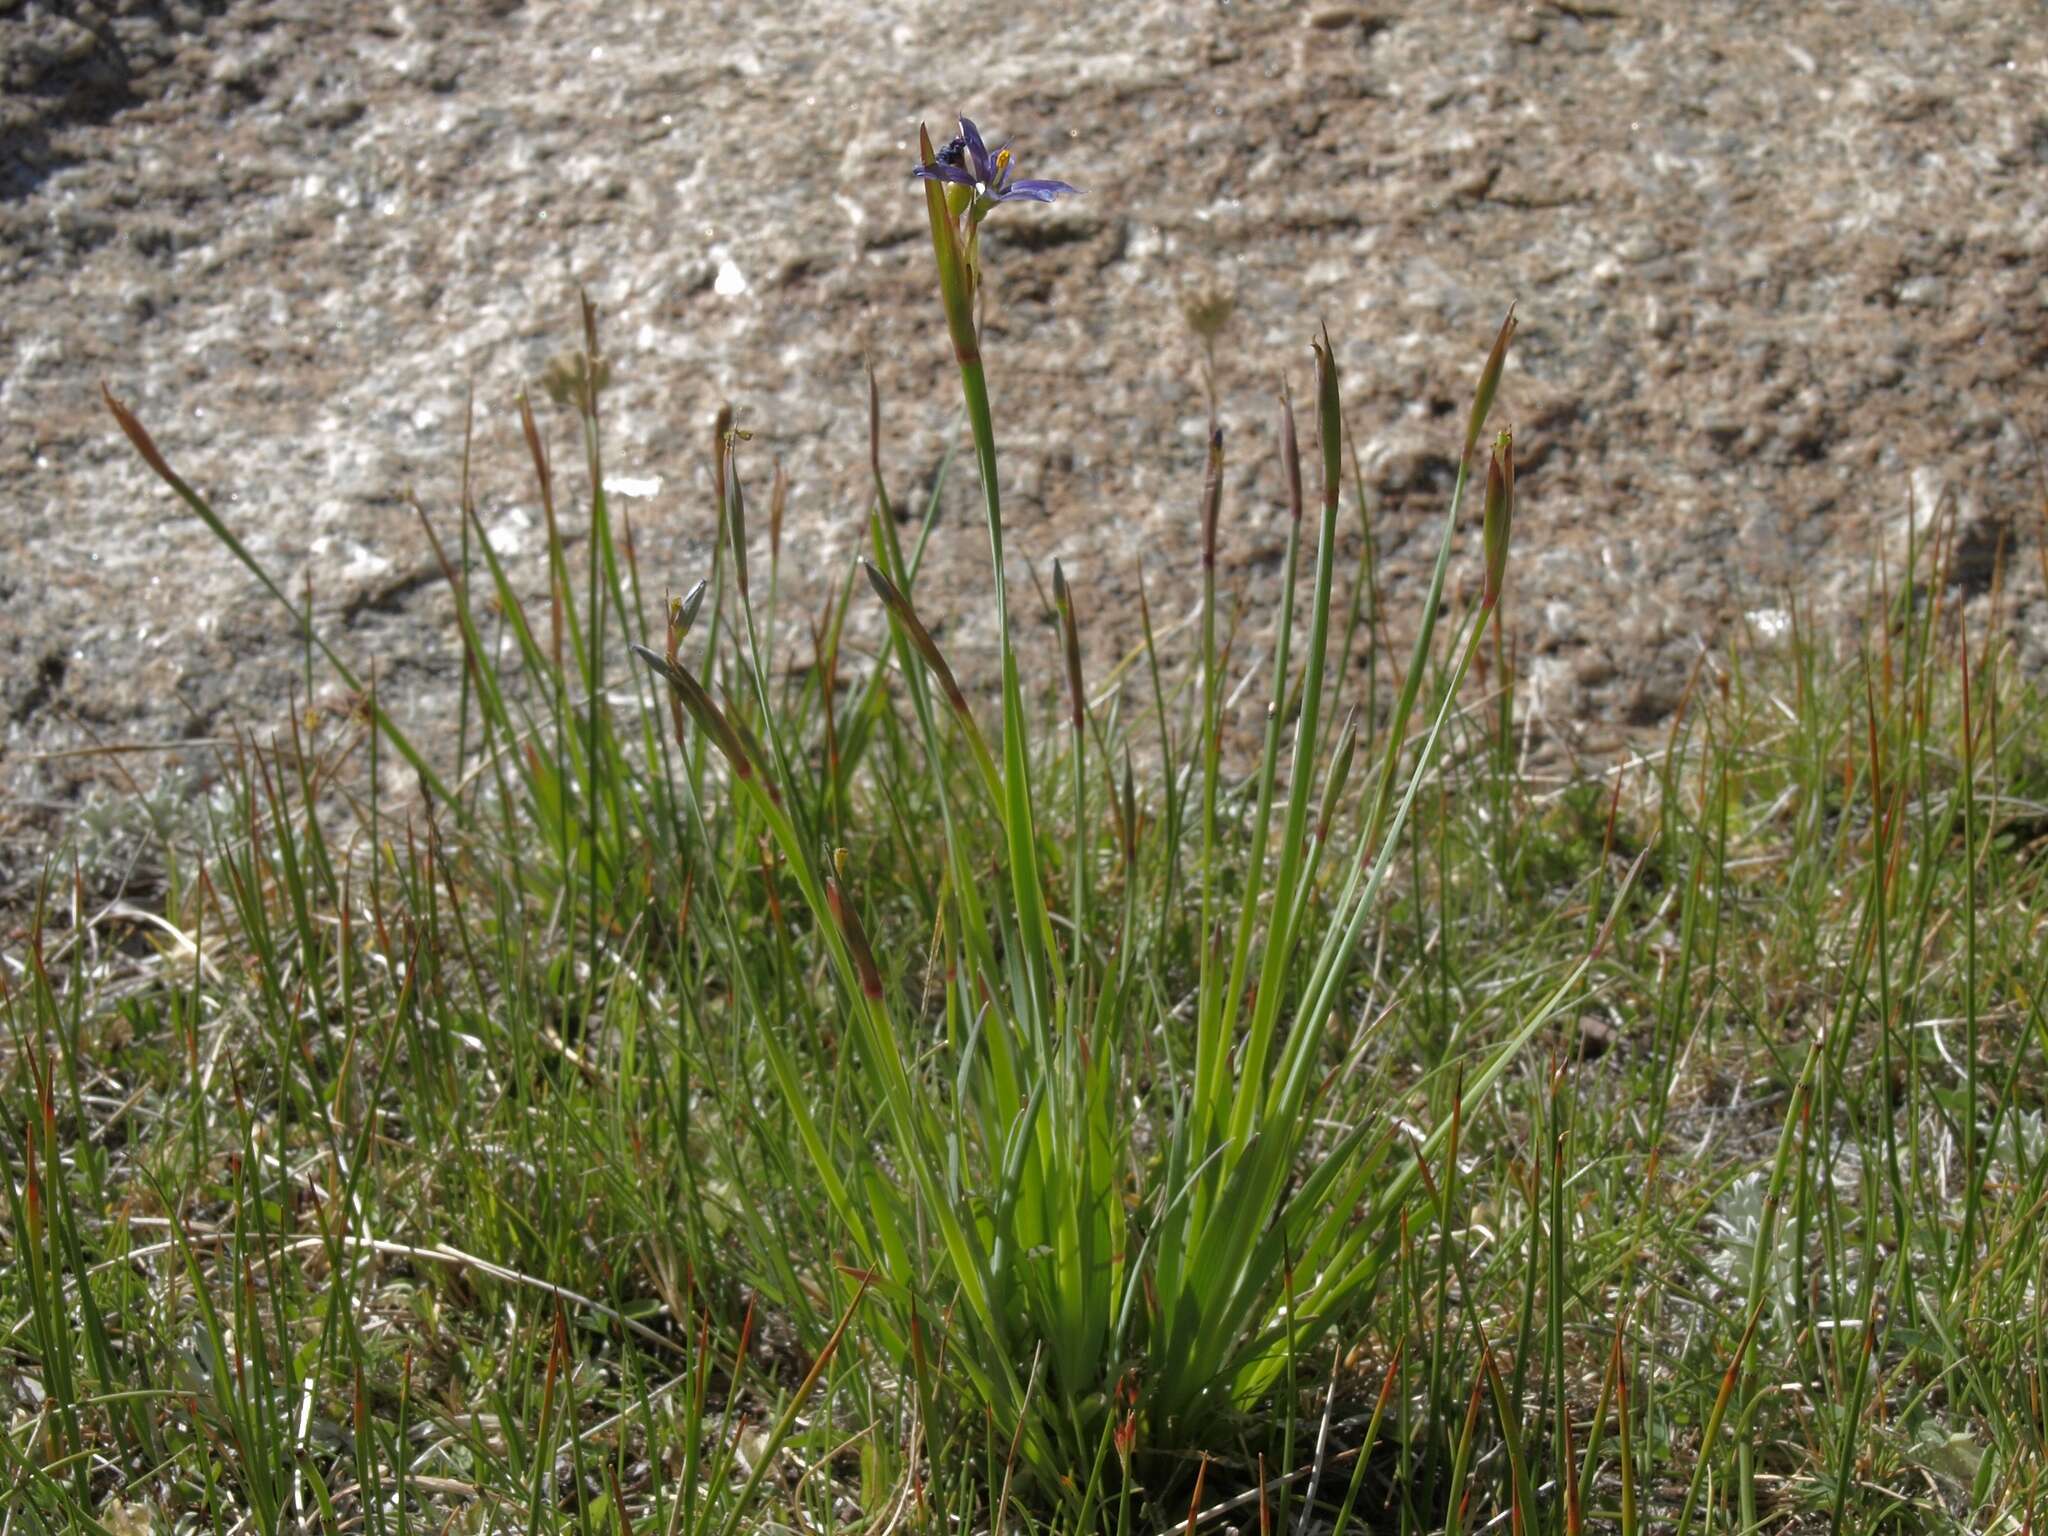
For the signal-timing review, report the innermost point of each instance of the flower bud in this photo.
(848, 919)
(1070, 637)
(721, 435)
(710, 719)
(1329, 419)
(1500, 514)
(1489, 381)
(920, 638)
(1290, 457)
(736, 518)
(144, 444)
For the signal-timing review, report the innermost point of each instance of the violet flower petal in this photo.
(1037, 191)
(978, 159)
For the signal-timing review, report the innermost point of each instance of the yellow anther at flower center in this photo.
(1002, 160)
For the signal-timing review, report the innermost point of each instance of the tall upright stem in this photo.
(1041, 954)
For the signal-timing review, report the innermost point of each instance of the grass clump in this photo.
(743, 1093)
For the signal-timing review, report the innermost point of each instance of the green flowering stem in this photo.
(953, 248)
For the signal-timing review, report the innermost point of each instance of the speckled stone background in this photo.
(1782, 273)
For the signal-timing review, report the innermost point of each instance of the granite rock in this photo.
(1782, 275)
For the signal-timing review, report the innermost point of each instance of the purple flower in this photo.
(965, 161)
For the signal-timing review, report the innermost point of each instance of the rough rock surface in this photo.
(1782, 274)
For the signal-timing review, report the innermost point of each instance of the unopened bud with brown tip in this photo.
(1489, 382)
(1329, 417)
(1500, 515)
(856, 940)
(710, 719)
(920, 638)
(1070, 642)
(721, 435)
(1290, 456)
(146, 445)
(736, 518)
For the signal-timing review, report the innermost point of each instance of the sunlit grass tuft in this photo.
(758, 1085)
